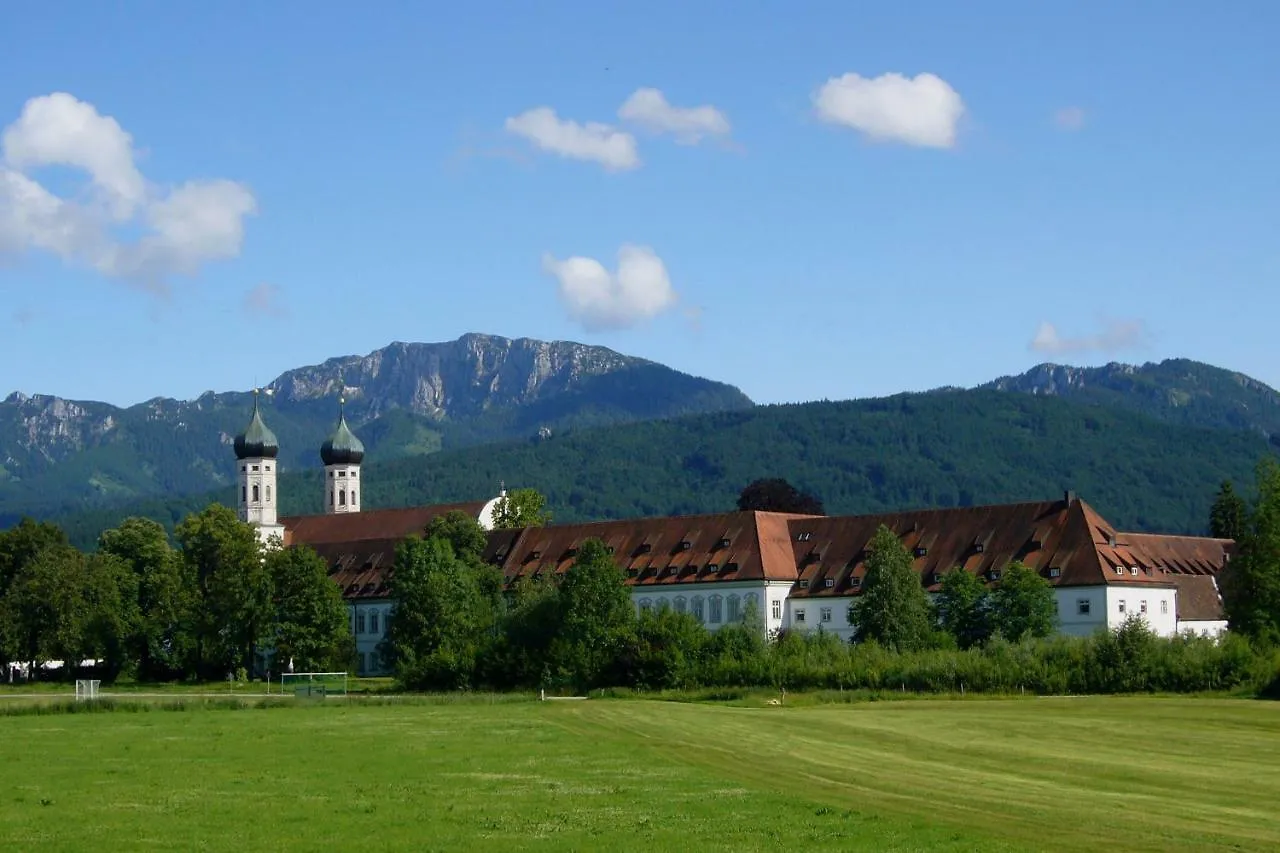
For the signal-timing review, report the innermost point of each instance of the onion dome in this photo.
(342, 448)
(257, 441)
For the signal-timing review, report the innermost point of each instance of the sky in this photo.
(820, 200)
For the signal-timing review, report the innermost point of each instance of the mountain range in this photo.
(607, 435)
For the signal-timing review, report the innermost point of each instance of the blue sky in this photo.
(300, 181)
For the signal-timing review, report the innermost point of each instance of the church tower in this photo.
(342, 454)
(256, 450)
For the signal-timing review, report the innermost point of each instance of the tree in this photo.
(462, 532)
(521, 508)
(21, 543)
(111, 615)
(1023, 604)
(442, 617)
(160, 643)
(597, 618)
(1251, 580)
(963, 608)
(777, 495)
(44, 610)
(893, 609)
(1229, 513)
(223, 562)
(310, 618)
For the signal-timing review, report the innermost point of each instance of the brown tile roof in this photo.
(664, 551)
(370, 524)
(1198, 598)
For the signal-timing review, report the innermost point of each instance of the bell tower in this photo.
(342, 454)
(256, 451)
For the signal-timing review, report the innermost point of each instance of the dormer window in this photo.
(644, 548)
(936, 578)
(1133, 570)
(723, 542)
(922, 552)
(685, 544)
(829, 583)
(856, 583)
(804, 583)
(994, 574)
(713, 568)
(1054, 572)
(804, 537)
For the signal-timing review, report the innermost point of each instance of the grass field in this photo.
(1047, 774)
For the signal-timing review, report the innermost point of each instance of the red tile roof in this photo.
(1198, 598)
(370, 524)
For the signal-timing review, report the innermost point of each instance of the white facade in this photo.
(369, 621)
(1203, 627)
(342, 488)
(256, 499)
(712, 604)
(829, 615)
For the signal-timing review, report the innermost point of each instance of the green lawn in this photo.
(1059, 774)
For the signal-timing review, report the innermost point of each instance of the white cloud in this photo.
(602, 143)
(649, 109)
(1069, 118)
(264, 300)
(1114, 335)
(923, 110)
(182, 227)
(600, 300)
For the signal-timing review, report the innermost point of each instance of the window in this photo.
(331, 497)
(255, 467)
(342, 473)
(359, 623)
(330, 475)
(355, 474)
(995, 574)
(1054, 572)
(243, 469)
(716, 612)
(1164, 606)
(805, 537)
(353, 497)
(244, 494)
(829, 582)
(1133, 570)
(799, 616)
(373, 622)
(268, 494)
(1082, 606)
(804, 584)
(1142, 607)
(825, 614)
(645, 605)
(342, 497)
(255, 493)
(1122, 605)
(1120, 570)
(681, 605)
(777, 609)
(735, 608)
(698, 612)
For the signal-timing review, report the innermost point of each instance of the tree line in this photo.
(219, 604)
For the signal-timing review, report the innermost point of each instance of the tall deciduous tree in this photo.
(893, 609)
(521, 508)
(21, 543)
(1251, 579)
(442, 617)
(310, 619)
(597, 618)
(963, 608)
(1229, 513)
(777, 495)
(223, 559)
(160, 645)
(44, 609)
(1023, 605)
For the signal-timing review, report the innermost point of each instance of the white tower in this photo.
(256, 450)
(342, 454)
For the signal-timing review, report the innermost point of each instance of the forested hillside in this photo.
(918, 450)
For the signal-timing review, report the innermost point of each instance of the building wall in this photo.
(1202, 627)
(1159, 607)
(1082, 610)
(342, 488)
(714, 604)
(830, 615)
(368, 622)
(256, 499)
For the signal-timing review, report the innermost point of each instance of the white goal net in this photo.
(316, 684)
(86, 688)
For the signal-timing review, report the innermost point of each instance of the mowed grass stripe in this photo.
(462, 777)
(1064, 774)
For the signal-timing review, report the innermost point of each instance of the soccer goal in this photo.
(87, 688)
(318, 684)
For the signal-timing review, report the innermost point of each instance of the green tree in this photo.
(963, 608)
(665, 651)
(442, 617)
(463, 533)
(521, 508)
(527, 627)
(777, 495)
(44, 611)
(597, 618)
(1229, 513)
(1023, 604)
(21, 543)
(160, 644)
(110, 613)
(232, 615)
(893, 609)
(310, 617)
(1251, 579)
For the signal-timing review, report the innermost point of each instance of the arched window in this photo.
(244, 494)
(735, 608)
(373, 622)
(663, 605)
(698, 612)
(353, 497)
(645, 605)
(256, 497)
(360, 622)
(331, 497)
(716, 610)
(268, 494)
(681, 605)
(342, 497)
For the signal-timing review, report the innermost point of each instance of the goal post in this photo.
(317, 684)
(87, 688)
